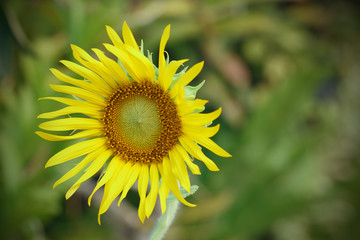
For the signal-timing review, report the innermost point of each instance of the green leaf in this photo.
(190, 91)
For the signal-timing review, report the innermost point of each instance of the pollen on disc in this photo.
(139, 122)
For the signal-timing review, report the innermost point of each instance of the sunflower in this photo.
(142, 121)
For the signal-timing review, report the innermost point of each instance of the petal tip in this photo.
(214, 168)
(106, 45)
(99, 220)
(68, 195)
(48, 165)
(89, 200)
(108, 28)
(228, 154)
(55, 184)
(167, 29)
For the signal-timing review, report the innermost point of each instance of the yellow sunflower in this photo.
(141, 119)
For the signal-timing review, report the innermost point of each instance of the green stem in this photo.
(168, 217)
(165, 221)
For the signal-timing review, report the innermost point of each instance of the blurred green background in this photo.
(286, 74)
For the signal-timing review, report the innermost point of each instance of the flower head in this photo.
(143, 120)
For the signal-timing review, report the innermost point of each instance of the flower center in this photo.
(141, 123)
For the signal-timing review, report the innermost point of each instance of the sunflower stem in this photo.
(165, 221)
(168, 217)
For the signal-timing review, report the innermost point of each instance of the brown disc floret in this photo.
(141, 123)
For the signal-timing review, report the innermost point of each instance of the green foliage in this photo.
(285, 74)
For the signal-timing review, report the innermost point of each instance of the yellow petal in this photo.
(89, 75)
(114, 165)
(89, 111)
(82, 134)
(114, 186)
(212, 146)
(195, 131)
(137, 65)
(117, 72)
(164, 38)
(175, 91)
(151, 198)
(121, 182)
(85, 59)
(164, 190)
(179, 169)
(66, 124)
(75, 170)
(130, 180)
(81, 55)
(81, 93)
(166, 78)
(190, 74)
(105, 73)
(143, 62)
(129, 37)
(67, 101)
(185, 156)
(178, 94)
(114, 37)
(201, 118)
(191, 147)
(76, 82)
(116, 183)
(187, 107)
(75, 150)
(70, 102)
(94, 167)
(172, 183)
(142, 187)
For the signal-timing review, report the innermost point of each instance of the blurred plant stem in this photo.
(166, 219)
